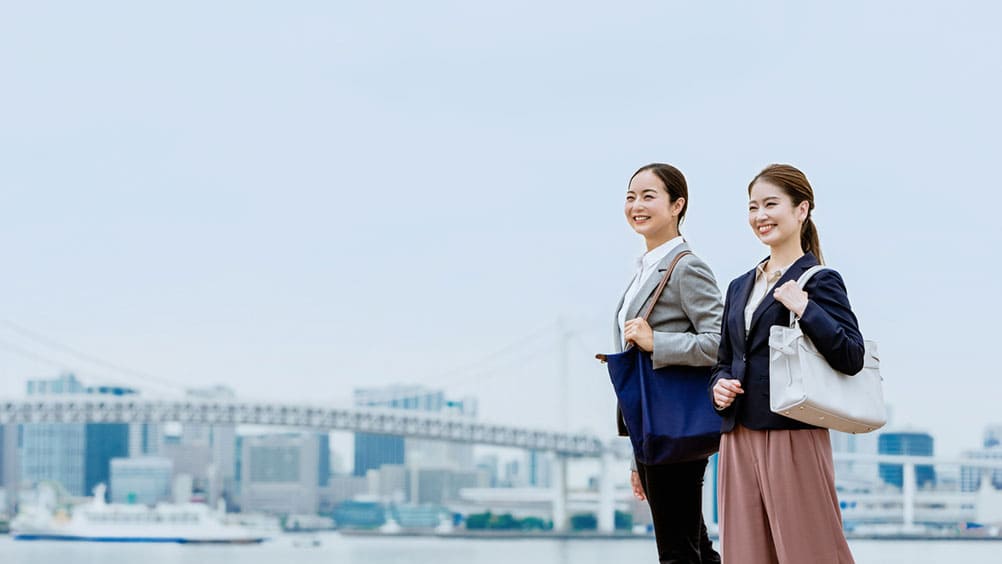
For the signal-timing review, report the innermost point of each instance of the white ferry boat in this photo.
(98, 521)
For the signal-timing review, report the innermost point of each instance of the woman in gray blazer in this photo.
(683, 330)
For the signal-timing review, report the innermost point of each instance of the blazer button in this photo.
(744, 358)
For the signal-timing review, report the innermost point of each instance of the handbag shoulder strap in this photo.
(664, 282)
(802, 281)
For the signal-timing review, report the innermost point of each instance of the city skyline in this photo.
(295, 202)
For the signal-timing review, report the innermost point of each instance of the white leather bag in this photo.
(803, 386)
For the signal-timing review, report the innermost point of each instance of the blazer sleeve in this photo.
(722, 369)
(701, 303)
(830, 324)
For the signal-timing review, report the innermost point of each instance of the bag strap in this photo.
(802, 281)
(664, 282)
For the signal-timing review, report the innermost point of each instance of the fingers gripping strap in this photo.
(802, 281)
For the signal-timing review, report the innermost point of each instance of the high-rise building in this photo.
(76, 455)
(205, 452)
(10, 469)
(908, 443)
(993, 436)
(540, 469)
(971, 477)
(373, 451)
(282, 473)
(854, 471)
(104, 442)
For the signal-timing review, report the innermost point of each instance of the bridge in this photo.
(407, 423)
(563, 447)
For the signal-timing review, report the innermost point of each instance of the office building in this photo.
(75, 455)
(993, 436)
(540, 469)
(145, 480)
(855, 472)
(372, 451)
(971, 477)
(205, 452)
(914, 443)
(281, 474)
(10, 468)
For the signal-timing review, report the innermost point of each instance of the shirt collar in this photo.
(654, 256)
(761, 273)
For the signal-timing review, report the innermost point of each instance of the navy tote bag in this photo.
(667, 411)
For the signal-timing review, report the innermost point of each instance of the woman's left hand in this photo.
(792, 297)
(639, 333)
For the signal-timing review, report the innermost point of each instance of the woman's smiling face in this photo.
(649, 209)
(772, 215)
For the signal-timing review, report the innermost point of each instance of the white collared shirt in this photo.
(764, 281)
(646, 267)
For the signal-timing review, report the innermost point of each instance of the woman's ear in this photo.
(677, 206)
(803, 209)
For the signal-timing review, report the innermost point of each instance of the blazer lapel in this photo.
(792, 273)
(741, 300)
(652, 282)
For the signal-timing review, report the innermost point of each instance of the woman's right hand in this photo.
(724, 392)
(638, 488)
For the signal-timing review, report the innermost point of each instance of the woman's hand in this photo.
(724, 392)
(792, 297)
(638, 488)
(638, 332)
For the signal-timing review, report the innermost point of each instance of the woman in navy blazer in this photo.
(777, 482)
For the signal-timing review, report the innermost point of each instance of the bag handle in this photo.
(664, 282)
(656, 296)
(802, 281)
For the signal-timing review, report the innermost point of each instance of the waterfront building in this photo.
(76, 455)
(488, 465)
(10, 470)
(513, 475)
(354, 514)
(441, 485)
(373, 451)
(993, 436)
(207, 453)
(854, 472)
(389, 483)
(540, 469)
(281, 473)
(144, 480)
(342, 488)
(907, 442)
(970, 477)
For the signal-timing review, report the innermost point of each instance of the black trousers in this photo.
(675, 495)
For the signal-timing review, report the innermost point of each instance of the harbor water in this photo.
(332, 548)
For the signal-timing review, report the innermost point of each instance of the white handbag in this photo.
(803, 386)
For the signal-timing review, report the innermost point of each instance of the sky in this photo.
(298, 199)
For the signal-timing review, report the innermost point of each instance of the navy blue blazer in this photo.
(828, 321)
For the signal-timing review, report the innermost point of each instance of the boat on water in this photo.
(97, 521)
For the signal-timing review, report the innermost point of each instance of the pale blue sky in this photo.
(297, 199)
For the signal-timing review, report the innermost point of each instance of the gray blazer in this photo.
(686, 320)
